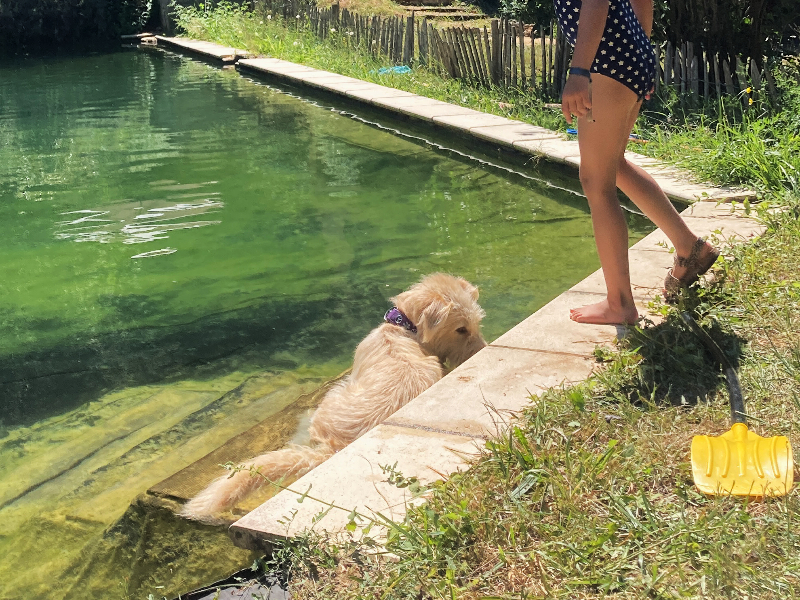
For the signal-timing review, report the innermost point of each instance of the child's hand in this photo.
(575, 98)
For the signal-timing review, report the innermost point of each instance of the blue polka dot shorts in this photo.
(625, 53)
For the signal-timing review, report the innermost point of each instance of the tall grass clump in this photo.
(745, 140)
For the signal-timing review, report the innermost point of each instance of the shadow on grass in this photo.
(668, 364)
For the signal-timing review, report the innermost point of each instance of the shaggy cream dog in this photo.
(434, 323)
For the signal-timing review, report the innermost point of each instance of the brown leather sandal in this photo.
(694, 269)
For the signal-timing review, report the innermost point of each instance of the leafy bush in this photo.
(746, 27)
(48, 24)
(528, 11)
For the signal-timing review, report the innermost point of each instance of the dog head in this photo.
(447, 315)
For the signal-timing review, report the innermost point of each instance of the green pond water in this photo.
(185, 252)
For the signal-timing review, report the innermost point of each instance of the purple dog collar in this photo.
(396, 317)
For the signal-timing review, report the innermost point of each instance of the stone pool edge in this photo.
(483, 128)
(442, 429)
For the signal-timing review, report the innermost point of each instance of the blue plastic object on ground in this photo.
(633, 137)
(398, 70)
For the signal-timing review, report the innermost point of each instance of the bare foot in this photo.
(602, 314)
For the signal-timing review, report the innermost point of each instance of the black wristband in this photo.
(581, 72)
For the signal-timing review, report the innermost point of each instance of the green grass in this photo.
(732, 141)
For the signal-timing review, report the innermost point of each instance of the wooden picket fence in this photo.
(694, 73)
(509, 53)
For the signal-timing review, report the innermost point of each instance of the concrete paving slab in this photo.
(641, 160)
(510, 134)
(275, 66)
(341, 87)
(648, 270)
(414, 106)
(678, 184)
(375, 91)
(650, 258)
(326, 83)
(223, 54)
(473, 119)
(550, 328)
(353, 479)
(716, 210)
(557, 150)
(482, 396)
(317, 75)
(725, 229)
(429, 112)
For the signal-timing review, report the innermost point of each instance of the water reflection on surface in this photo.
(185, 252)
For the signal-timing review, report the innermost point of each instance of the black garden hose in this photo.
(734, 388)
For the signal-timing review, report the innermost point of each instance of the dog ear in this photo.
(469, 288)
(434, 314)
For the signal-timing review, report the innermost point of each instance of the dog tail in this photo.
(223, 493)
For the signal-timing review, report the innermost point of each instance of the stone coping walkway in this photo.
(509, 134)
(436, 434)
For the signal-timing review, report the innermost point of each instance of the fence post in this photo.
(726, 69)
(717, 81)
(513, 43)
(495, 52)
(533, 57)
(668, 65)
(478, 49)
(423, 41)
(544, 63)
(508, 35)
(489, 57)
(522, 53)
(408, 51)
(771, 89)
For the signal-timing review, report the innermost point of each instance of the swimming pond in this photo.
(186, 252)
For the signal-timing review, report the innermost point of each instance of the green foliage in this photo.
(732, 141)
(49, 24)
(731, 27)
(528, 11)
(753, 28)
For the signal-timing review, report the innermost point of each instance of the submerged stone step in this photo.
(272, 433)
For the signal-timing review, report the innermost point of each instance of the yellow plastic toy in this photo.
(739, 462)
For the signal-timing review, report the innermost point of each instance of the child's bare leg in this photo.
(647, 195)
(602, 145)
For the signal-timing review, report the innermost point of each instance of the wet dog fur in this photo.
(391, 367)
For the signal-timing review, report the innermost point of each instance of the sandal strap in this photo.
(692, 261)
